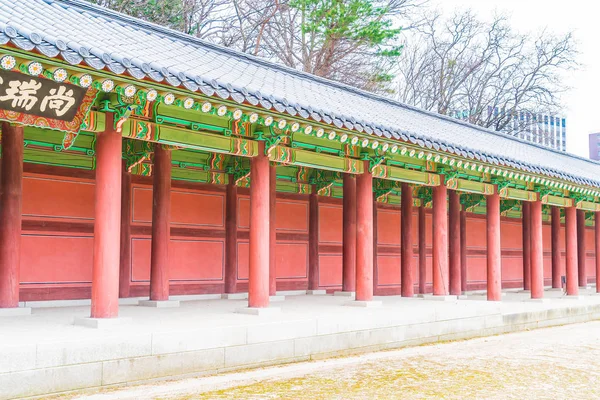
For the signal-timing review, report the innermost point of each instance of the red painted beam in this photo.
(494, 257)
(440, 241)
(11, 200)
(161, 223)
(406, 255)
(107, 224)
(526, 225)
(349, 234)
(537, 251)
(556, 258)
(364, 235)
(258, 286)
(582, 275)
(454, 238)
(571, 242)
(231, 202)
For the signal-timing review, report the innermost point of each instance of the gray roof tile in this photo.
(80, 32)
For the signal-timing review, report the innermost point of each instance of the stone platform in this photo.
(45, 353)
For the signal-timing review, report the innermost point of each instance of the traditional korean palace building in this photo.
(140, 161)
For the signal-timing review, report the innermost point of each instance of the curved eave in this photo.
(75, 53)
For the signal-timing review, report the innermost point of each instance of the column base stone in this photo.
(159, 303)
(316, 292)
(14, 311)
(234, 296)
(344, 294)
(365, 304)
(542, 300)
(100, 323)
(260, 311)
(442, 298)
(573, 297)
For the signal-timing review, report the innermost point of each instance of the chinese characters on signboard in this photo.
(38, 96)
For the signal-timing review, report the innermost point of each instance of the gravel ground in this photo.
(562, 362)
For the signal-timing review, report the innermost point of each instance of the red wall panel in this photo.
(330, 223)
(388, 270)
(291, 215)
(330, 270)
(56, 259)
(187, 208)
(243, 260)
(243, 212)
(57, 197)
(292, 260)
(388, 227)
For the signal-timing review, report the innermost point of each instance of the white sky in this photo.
(559, 16)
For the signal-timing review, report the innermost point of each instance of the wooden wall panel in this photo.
(57, 198)
(197, 260)
(56, 259)
(291, 216)
(292, 260)
(388, 270)
(243, 212)
(330, 224)
(140, 259)
(188, 208)
(388, 227)
(330, 270)
(243, 261)
(198, 209)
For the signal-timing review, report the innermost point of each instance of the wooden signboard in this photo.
(36, 101)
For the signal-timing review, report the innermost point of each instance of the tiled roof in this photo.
(81, 33)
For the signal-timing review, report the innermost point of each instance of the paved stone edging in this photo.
(148, 357)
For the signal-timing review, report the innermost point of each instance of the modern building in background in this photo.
(595, 146)
(543, 129)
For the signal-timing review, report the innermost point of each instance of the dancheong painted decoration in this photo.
(167, 165)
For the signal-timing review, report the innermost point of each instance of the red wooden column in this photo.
(313, 240)
(125, 269)
(107, 224)
(406, 254)
(537, 251)
(582, 275)
(454, 238)
(364, 235)
(597, 248)
(463, 251)
(231, 237)
(571, 244)
(526, 228)
(11, 200)
(258, 286)
(555, 233)
(161, 224)
(494, 257)
(440, 241)
(422, 250)
(272, 231)
(349, 235)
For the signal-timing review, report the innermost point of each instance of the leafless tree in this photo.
(490, 74)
